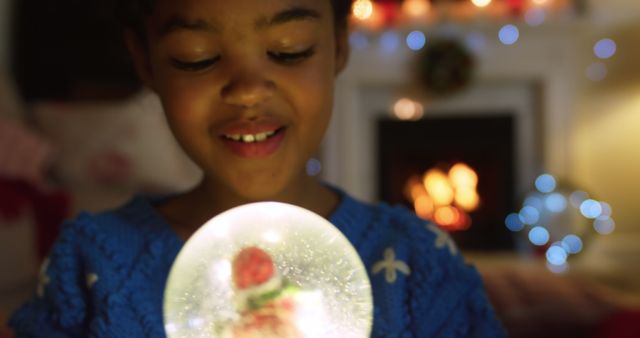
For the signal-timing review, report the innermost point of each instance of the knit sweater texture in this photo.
(106, 275)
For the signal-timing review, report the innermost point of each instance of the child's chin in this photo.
(260, 193)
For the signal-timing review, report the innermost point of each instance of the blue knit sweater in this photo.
(106, 275)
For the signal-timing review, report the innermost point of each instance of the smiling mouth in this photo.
(252, 138)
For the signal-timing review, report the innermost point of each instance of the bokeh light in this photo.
(555, 202)
(606, 210)
(604, 226)
(573, 243)
(513, 222)
(545, 183)
(539, 236)
(529, 215)
(358, 40)
(481, 3)
(559, 219)
(535, 16)
(591, 209)
(556, 255)
(509, 34)
(362, 9)
(314, 167)
(476, 42)
(534, 201)
(605, 48)
(558, 269)
(416, 8)
(416, 40)
(368, 14)
(390, 42)
(407, 109)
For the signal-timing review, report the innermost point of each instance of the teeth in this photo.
(250, 138)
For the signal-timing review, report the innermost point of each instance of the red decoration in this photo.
(252, 267)
(516, 7)
(390, 11)
(49, 208)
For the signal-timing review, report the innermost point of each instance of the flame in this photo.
(445, 198)
(462, 176)
(424, 207)
(438, 186)
(467, 199)
(446, 216)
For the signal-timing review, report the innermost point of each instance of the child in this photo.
(247, 88)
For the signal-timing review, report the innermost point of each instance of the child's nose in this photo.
(248, 90)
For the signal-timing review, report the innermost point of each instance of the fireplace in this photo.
(484, 142)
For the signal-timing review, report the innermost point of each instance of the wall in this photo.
(4, 30)
(606, 139)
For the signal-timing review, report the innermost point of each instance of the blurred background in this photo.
(512, 124)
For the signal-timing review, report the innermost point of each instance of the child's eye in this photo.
(194, 66)
(291, 58)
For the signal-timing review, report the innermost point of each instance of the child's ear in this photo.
(140, 58)
(342, 49)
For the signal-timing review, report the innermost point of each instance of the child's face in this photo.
(252, 69)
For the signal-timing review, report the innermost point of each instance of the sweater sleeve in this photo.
(59, 307)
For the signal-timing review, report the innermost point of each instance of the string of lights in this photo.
(375, 15)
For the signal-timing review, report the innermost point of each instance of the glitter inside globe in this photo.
(268, 270)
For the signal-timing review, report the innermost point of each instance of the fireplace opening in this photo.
(411, 153)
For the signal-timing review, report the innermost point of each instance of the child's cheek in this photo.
(188, 94)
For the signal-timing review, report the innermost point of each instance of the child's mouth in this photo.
(255, 145)
(251, 138)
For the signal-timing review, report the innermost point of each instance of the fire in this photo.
(445, 198)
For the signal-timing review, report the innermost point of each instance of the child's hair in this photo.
(131, 13)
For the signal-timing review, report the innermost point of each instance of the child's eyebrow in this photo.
(292, 14)
(179, 23)
(288, 15)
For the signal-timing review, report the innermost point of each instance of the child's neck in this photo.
(187, 212)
